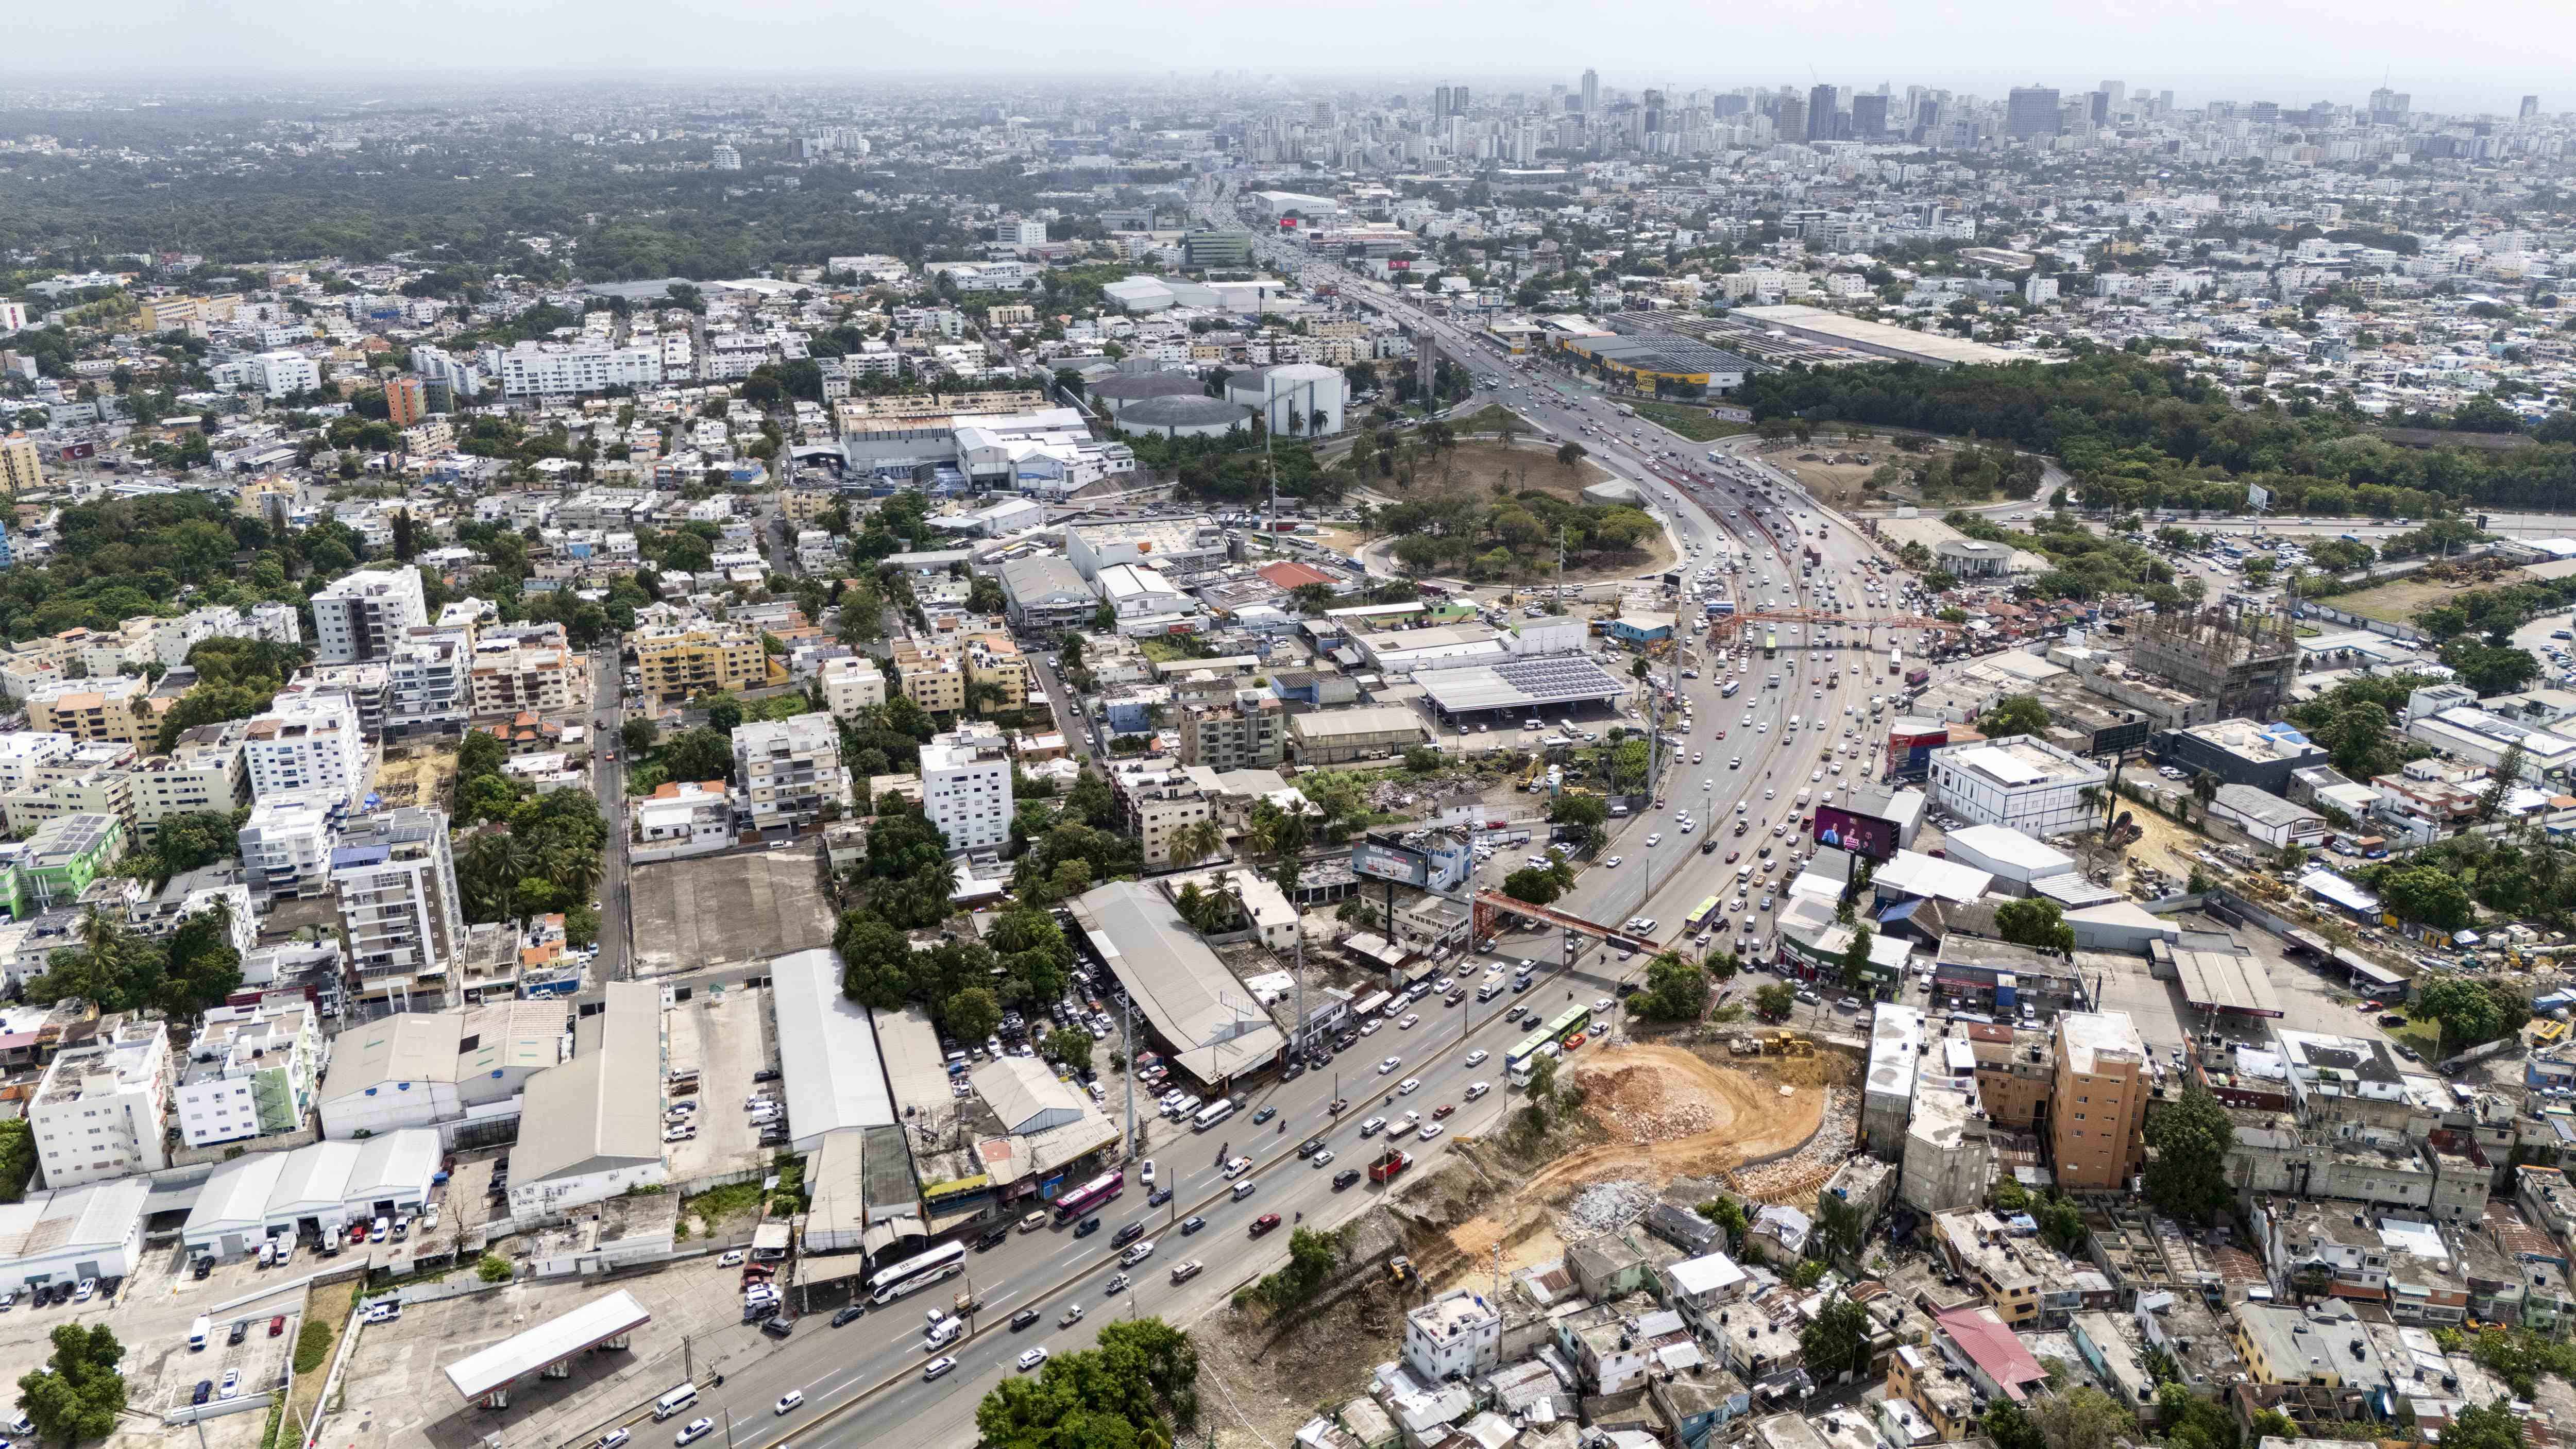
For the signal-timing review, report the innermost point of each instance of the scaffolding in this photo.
(2241, 658)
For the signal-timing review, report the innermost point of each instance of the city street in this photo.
(608, 780)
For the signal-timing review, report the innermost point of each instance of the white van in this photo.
(941, 1334)
(675, 1401)
(1213, 1113)
(198, 1330)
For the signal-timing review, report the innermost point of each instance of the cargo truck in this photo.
(1389, 1167)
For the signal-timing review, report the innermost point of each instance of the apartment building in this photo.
(406, 401)
(517, 677)
(366, 615)
(851, 685)
(678, 662)
(1251, 733)
(427, 689)
(22, 466)
(207, 770)
(395, 879)
(252, 1071)
(2022, 783)
(966, 787)
(996, 670)
(537, 369)
(930, 676)
(286, 845)
(695, 813)
(91, 710)
(309, 740)
(103, 1107)
(1159, 801)
(93, 780)
(65, 855)
(789, 770)
(2098, 1103)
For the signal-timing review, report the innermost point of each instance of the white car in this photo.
(1323, 1156)
(1146, 1174)
(932, 1369)
(788, 1401)
(700, 1428)
(1478, 1089)
(1390, 1064)
(1604, 1004)
(1408, 1086)
(1238, 1167)
(1477, 1057)
(1654, 840)
(1613, 862)
(1431, 1130)
(733, 1258)
(1411, 1020)
(1033, 1358)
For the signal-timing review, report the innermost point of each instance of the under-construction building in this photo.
(2239, 658)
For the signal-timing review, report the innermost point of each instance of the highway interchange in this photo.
(864, 1380)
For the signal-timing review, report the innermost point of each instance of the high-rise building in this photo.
(102, 1109)
(1790, 123)
(1458, 99)
(2531, 108)
(2098, 1101)
(2031, 111)
(406, 400)
(966, 786)
(2164, 101)
(2098, 108)
(790, 771)
(1591, 92)
(2388, 108)
(2118, 91)
(1824, 106)
(22, 468)
(1440, 101)
(1869, 117)
(362, 616)
(395, 879)
(724, 158)
(309, 740)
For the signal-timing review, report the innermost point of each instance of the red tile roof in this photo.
(1993, 1347)
(1289, 574)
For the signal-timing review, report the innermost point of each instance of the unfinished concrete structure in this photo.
(2241, 658)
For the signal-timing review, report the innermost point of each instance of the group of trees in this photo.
(1128, 1393)
(1459, 534)
(117, 558)
(196, 966)
(1676, 989)
(2470, 1011)
(529, 854)
(1023, 962)
(236, 678)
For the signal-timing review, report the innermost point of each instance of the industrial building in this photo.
(303, 1194)
(592, 1127)
(2020, 783)
(1213, 1026)
(1878, 339)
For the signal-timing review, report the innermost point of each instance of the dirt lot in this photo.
(1474, 469)
(2395, 602)
(719, 909)
(423, 777)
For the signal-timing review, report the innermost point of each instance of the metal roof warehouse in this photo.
(1214, 1026)
(1519, 684)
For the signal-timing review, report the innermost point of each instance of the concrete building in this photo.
(1290, 397)
(543, 369)
(851, 685)
(679, 662)
(2240, 752)
(252, 1071)
(365, 615)
(591, 1128)
(206, 771)
(513, 677)
(102, 1109)
(438, 1068)
(1046, 592)
(1159, 803)
(695, 813)
(788, 771)
(2242, 663)
(309, 742)
(1950, 1161)
(2267, 817)
(95, 710)
(2021, 783)
(2098, 1101)
(1330, 737)
(428, 688)
(65, 855)
(1896, 1043)
(1178, 545)
(286, 845)
(930, 675)
(966, 787)
(65, 1236)
(22, 466)
(1250, 733)
(1453, 1338)
(394, 876)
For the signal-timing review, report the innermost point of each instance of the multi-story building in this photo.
(2098, 1103)
(91, 710)
(695, 813)
(103, 1108)
(2021, 783)
(931, 676)
(538, 369)
(851, 685)
(966, 787)
(65, 854)
(1249, 734)
(309, 740)
(1159, 802)
(286, 845)
(517, 677)
(365, 615)
(678, 662)
(22, 467)
(996, 670)
(789, 770)
(427, 682)
(252, 1071)
(207, 770)
(94, 780)
(1454, 1338)
(406, 400)
(395, 878)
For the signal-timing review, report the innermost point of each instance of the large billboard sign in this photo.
(1861, 834)
(1390, 862)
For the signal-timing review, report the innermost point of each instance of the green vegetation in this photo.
(1462, 535)
(1676, 989)
(236, 678)
(78, 1394)
(17, 1158)
(2469, 1011)
(493, 1268)
(2186, 1174)
(1692, 423)
(1128, 1393)
(2035, 921)
(312, 1345)
(1836, 1340)
(1313, 1254)
(117, 969)
(122, 557)
(545, 857)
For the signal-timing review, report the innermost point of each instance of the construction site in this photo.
(2239, 657)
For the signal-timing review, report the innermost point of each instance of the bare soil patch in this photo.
(2397, 602)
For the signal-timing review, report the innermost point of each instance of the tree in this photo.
(972, 1014)
(2204, 787)
(2507, 775)
(637, 735)
(1537, 887)
(724, 715)
(2035, 921)
(2192, 1422)
(2186, 1175)
(2083, 1417)
(1774, 1002)
(1589, 813)
(2470, 1012)
(2010, 1427)
(1840, 1228)
(1836, 1341)
(17, 1158)
(1570, 453)
(1312, 1256)
(1676, 989)
(1728, 1214)
(2427, 895)
(78, 1394)
(2491, 1426)
(1856, 960)
(1197, 841)
(697, 754)
(2015, 714)
(1073, 1048)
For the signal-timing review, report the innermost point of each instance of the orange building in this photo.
(2098, 1110)
(406, 401)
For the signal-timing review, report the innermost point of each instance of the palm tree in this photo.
(1196, 841)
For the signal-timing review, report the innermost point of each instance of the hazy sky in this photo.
(2482, 56)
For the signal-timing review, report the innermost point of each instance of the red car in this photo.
(1443, 1110)
(1264, 1223)
(277, 1325)
(358, 1231)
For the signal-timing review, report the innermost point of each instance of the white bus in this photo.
(1211, 1114)
(916, 1273)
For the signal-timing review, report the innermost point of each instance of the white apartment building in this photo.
(966, 787)
(281, 373)
(2021, 783)
(286, 845)
(365, 615)
(1454, 1337)
(26, 753)
(685, 813)
(513, 677)
(173, 638)
(427, 678)
(851, 685)
(103, 1108)
(251, 1072)
(395, 877)
(788, 769)
(309, 740)
(537, 369)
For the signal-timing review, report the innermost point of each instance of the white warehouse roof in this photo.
(827, 1050)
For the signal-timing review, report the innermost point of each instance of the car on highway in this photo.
(1613, 862)
(1654, 840)
(1443, 1110)
(1236, 1168)
(1033, 1358)
(1390, 1064)
(936, 1368)
(788, 1401)
(1345, 1178)
(1477, 1057)
(1408, 1086)
(1258, 1119)
(849, 1315)
(1372, 1126)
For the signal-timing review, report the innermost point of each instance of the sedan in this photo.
(934, 1369)
(1477, 1057)
(788, 1401)
(1390, 1064)
(1033, 1358)
(230, 1388)
(1023, 1319)
(1431, 1130)
(1345, 1178)
(1443, 1110)
(1654, 840)
(1613, 862)
(1192, 1224)
(1264, 1115)
(1411, 1020)
(1409, 1086)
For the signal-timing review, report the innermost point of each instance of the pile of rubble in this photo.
(1641, 1105)
(1605, 1207)
(1798, 1177)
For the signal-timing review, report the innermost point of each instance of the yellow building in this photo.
(22, 468)
(993, 659)
(680, 662)
(801, 506)
(92, 710)
(931, 675)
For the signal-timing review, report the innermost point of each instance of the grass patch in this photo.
(1691, 423)
(2395, 602)
(2424, 1036)
(716, 1204)
(326, 1317)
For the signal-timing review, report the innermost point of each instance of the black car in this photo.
(779, 1325)
(993, 1238)
(204, 1390)
(1309, 1148)
(1345, 1178)
(1192, 1224)
(204, 1267)
(1086, 1227)
(765, 1074)
(1158, 1197)
(1524, 984)
(241, 1330)
(1023, 1319)
(1127, 1234)
(848, 1315)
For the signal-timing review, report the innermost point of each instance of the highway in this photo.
(864, 1379)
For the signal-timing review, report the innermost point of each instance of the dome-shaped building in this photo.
(1115, 394)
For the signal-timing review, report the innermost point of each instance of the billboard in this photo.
(1862, 834)
(1390, 862)
(2258, 495)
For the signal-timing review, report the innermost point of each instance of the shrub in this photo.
(494, 1269)
(312, 1345)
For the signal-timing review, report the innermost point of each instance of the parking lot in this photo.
(721, 909)
(396, 1395)
(727, 1035)
(261, 1360)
